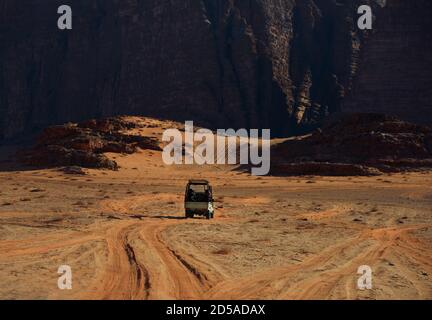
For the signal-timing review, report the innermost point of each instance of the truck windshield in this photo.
(198, 193)
(198, 188)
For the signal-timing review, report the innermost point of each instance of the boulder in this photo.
(355, 143)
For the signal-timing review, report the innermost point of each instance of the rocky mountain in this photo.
(279, 64)
(395, 65)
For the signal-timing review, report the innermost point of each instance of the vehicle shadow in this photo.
(169, 217)
(176, 217)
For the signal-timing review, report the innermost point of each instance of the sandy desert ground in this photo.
(124, 235)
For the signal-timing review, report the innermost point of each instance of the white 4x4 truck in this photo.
(199, 199)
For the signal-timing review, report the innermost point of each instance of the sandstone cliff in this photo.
(395, 67)
(223, 63)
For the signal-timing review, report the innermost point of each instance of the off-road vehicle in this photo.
(199, 199)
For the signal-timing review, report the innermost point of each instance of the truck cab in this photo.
(199, 199)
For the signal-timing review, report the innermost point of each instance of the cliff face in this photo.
(395, 67)
(223, 63)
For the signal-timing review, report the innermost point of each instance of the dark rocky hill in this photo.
(395, 67)
(282, 64)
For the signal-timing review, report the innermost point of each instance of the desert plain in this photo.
(124, 235)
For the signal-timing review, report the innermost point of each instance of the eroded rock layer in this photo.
(356, 144)
(273, 64)
(395, 67)
(84, 144)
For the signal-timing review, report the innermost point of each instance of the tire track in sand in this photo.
(121, 277)
(307, 281)
(142, 266)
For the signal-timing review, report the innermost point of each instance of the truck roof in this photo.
(192, 181)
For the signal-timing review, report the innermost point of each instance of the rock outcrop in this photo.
(356, 144)
(273, 64)
(84, 144)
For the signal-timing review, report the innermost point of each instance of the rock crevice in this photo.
(283, 65)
